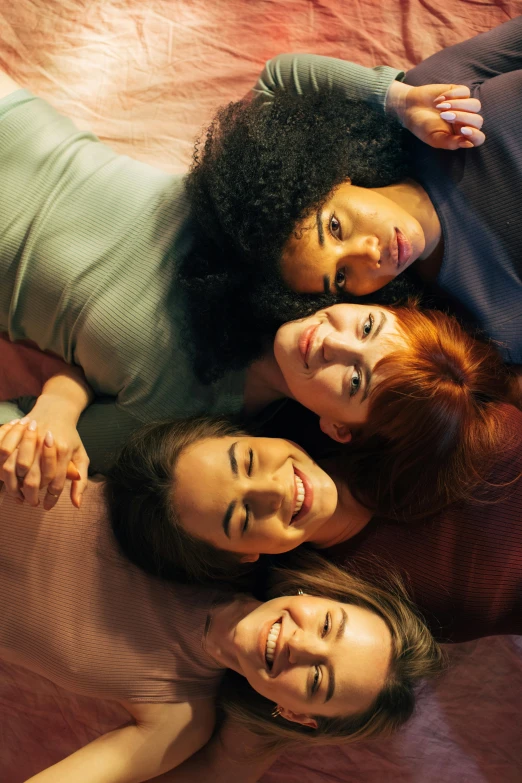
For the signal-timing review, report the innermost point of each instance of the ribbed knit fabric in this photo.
(464, 568)
(88, 248)
(88, 242)
(75, 611)
(478, 193)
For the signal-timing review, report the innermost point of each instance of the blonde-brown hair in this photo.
(415, 655)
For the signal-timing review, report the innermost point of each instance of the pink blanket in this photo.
(146, 76)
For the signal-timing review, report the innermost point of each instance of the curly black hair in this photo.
(258, 170)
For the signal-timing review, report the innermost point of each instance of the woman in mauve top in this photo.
(77, 612)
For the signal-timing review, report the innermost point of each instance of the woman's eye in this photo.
(355, 382)
(327, 624)
(315, 683)
(367, 326)
(340, 279)
(335, 227)
(246, 522)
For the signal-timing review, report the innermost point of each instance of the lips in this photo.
(306, 341)
(404, 249)
(304, 488)
(271, 643)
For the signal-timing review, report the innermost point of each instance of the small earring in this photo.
(276, 712)
(300, 592)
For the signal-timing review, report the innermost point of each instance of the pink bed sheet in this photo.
(146, 76)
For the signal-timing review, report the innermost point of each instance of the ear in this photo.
(297, 717)
(336, 430)
(249, 558)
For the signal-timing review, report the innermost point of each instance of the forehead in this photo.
(203, 474)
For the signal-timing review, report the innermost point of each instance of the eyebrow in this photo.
(230, 510)
(232, 457)
(320, 229)
(331, 673)
(368, 372)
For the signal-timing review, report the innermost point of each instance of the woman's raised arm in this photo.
(380, 87)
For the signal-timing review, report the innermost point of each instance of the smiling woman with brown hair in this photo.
(336, 659)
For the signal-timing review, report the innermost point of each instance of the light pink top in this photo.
(75, 611)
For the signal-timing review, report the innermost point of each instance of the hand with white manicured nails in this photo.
(442, 115)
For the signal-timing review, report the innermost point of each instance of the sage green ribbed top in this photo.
(88, 247)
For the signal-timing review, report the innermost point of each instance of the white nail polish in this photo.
(466, 131)
(443, 106)
(24, 420)
(448, 115)
(33, 425)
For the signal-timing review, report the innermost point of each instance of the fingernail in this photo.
(466, 131)
(440, 98)
(33, 425)
(448, 115)
(24, 420)
(49, 440)
(443, 106)
(15, 421)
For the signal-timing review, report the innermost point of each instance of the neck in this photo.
(413, 199)
(219, 641)
(264, 383)
(349, 518)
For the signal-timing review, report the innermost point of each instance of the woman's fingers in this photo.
(452, 91)
(12, 474)
(48, 459)
(81, 461)
(471, 105)
(463, 118)
(55, 487)
(27, 450)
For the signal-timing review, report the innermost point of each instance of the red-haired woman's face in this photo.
(358, 242)
(328, 361)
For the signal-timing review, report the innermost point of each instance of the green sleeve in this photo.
(302, 73)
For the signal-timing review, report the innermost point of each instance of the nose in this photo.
(304, 648)
(338, 347)
(370, 249)
(267, 494)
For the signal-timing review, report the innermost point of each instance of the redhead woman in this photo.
(323, 192)
(327, 658)
(415, 400)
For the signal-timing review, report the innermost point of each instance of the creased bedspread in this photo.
(145, 76)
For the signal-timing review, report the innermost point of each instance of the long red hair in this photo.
(435, 422)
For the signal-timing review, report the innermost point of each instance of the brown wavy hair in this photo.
(140, 491)
(415, 656)
(435, 421)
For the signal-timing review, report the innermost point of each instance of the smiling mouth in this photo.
(303, 496)
(305, 343)
(271, 643)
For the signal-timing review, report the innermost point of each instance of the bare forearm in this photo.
(68, 389)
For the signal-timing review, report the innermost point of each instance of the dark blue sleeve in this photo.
(475, 60)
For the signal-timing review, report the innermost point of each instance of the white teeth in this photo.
(271, 642)
(300, 495)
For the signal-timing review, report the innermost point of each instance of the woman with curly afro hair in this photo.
(319, 194)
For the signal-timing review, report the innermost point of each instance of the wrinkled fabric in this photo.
(146, 77)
